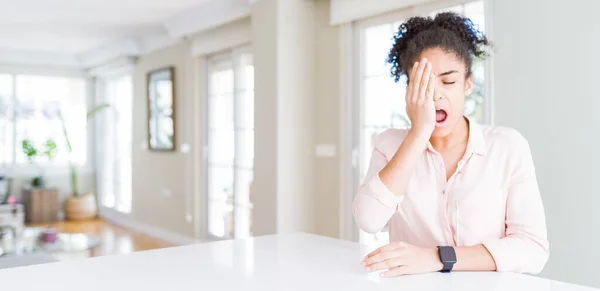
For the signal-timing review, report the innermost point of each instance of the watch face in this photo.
(447, 255)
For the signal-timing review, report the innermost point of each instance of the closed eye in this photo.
(449, 83)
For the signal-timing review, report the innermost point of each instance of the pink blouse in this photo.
(491, 199)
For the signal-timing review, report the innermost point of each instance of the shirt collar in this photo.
(476, 143)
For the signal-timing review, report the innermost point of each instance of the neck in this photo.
(458, 136)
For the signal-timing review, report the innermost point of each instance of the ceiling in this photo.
(79, 26)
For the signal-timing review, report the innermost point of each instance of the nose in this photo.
(437, 92)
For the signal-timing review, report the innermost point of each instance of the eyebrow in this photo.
(447, 73)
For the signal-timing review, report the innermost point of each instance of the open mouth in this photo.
(440, 116)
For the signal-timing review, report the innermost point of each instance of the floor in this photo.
(114, 239)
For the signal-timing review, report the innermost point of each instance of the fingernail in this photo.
(368, 269)
(363, 263)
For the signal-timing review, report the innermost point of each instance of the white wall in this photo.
(284, 58)
(296, 110)
(546, 76)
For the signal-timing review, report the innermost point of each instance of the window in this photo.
(230, 144)
(115, 142)
(6, 119)
(31, 108)
(381, 104)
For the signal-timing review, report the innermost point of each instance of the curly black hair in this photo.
(448, 31)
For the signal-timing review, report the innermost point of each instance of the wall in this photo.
(162, 183)
(264, 46)
(546, 87)
(285, 88)
(327, 169)
(231, 35)
(296, 111)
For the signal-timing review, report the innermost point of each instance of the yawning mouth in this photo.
(440, 116)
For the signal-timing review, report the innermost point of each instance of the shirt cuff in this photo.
(501, 253)
(379, 191)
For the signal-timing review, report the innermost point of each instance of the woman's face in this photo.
(451, 85)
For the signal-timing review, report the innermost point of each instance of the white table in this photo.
(282, 262)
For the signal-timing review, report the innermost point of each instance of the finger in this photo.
(384, 265)
(431, 87)
(409, 88)
(380, 249)
(425, 82)
(386, 248)
(397, 271)
(383, 256)
(417, 79)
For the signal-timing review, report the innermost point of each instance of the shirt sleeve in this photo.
(525, 248)
(374, 203)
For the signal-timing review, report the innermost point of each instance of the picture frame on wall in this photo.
(161, 109)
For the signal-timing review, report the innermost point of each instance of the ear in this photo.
(469, 85)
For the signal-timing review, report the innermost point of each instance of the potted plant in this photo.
(79, 205)
(31, 152)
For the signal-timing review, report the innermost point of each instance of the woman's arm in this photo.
(378, 196)
(473, 258)
(524, 249)
(401, 258)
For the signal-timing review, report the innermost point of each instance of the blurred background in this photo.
(127, 126)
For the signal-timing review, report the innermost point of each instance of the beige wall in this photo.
(285, 92)
(161, 181)
(296, 107)
(327, 169)
(264, 46)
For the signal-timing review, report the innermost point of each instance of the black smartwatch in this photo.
(448, 258)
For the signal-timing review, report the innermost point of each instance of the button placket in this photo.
(444, 196)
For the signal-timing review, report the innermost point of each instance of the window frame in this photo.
(232, 55)
(26, 170)
(101, 87)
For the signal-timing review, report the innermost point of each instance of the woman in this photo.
(454, 194)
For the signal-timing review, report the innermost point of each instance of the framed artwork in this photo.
(161, 109)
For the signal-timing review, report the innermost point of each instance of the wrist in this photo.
(437, 264)
(420, 136)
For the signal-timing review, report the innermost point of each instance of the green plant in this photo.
(73, 171)
(31, 152)
(50, 149)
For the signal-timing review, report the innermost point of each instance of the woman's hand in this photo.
(419, 98)
(402, 259)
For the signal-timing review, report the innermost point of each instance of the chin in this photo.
(440, 132)
(443, 129)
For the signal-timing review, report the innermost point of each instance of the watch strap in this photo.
(447, 267)
(448, 262)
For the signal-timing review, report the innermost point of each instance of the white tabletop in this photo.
(281, 262)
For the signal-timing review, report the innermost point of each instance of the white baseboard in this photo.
(127, 222)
